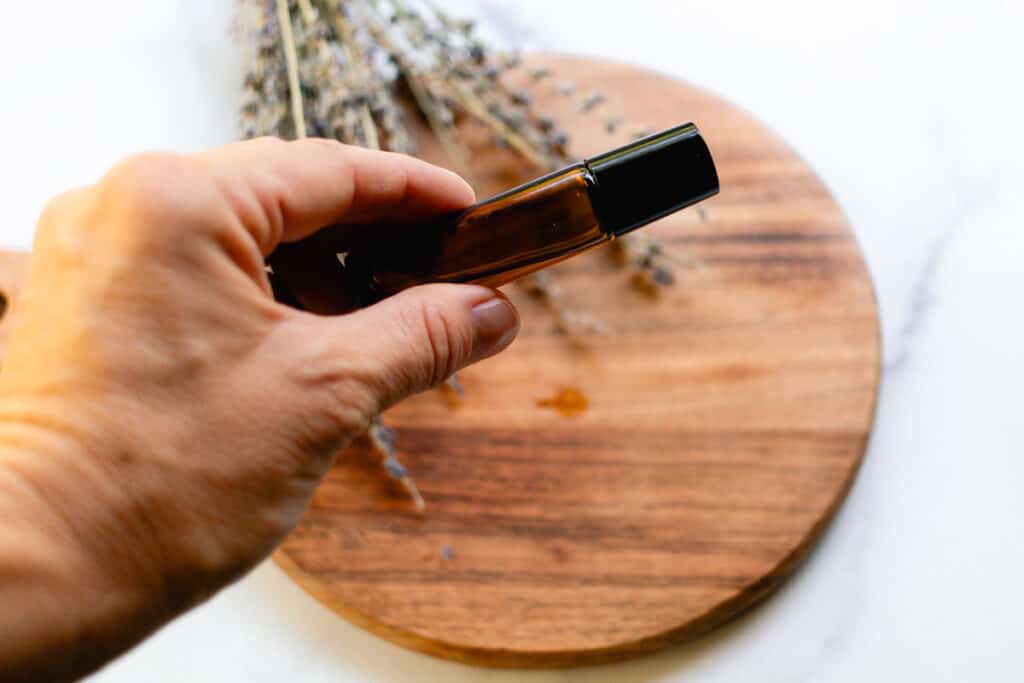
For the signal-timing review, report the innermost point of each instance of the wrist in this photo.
(78, 581)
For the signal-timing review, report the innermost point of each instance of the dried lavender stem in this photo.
(306, 9)
(382, 440)
(477, 109)
(455, 151)
(292, 60)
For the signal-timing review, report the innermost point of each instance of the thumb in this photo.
(417, 338)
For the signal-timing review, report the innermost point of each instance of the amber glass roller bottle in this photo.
(517, 232)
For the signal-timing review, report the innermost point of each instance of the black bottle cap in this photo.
(651, 178)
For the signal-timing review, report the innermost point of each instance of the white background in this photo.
(911, 112)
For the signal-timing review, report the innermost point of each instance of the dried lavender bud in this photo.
(702, 213)
(386, 434)
(612, 124)
(566, 88)
(663, 276)
(579, 323)
(559, 139)
(521, 97)
(542, 285)
(477, 53)
(446, 117)
(383, 440)
(513, 119)
(455, 385)
(395, 468)
(539, 73)
(545, 123)
(590, 101)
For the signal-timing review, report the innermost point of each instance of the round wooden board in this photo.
(727, 419)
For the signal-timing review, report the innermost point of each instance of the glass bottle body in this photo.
(523, 230)
(492, 243)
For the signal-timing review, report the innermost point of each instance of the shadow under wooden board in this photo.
(726, 420)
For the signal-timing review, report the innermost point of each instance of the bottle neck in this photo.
(650, 178)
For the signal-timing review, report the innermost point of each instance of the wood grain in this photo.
(724, 423)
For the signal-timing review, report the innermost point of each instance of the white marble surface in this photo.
(911, 110)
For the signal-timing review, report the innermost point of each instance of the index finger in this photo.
(285, 191)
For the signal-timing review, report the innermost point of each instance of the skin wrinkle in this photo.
(446, 354)
(243, 208)
(269, 189)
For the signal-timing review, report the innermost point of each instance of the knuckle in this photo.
(65, 228)
(151, 195)
(148, 182)
(58, 208)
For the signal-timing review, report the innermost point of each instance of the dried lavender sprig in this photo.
(506, 112)
(323, 78)
(591, 101)
(383, 440)
(440, 124)
(650, 261)
(353, 92)
(458, 71)
(462, 82)
(265, 87)
(454, 385)
(516, 141)
(343, 17)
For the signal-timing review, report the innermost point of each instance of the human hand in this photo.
(163, 421)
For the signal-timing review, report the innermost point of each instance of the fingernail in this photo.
(495, 323)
